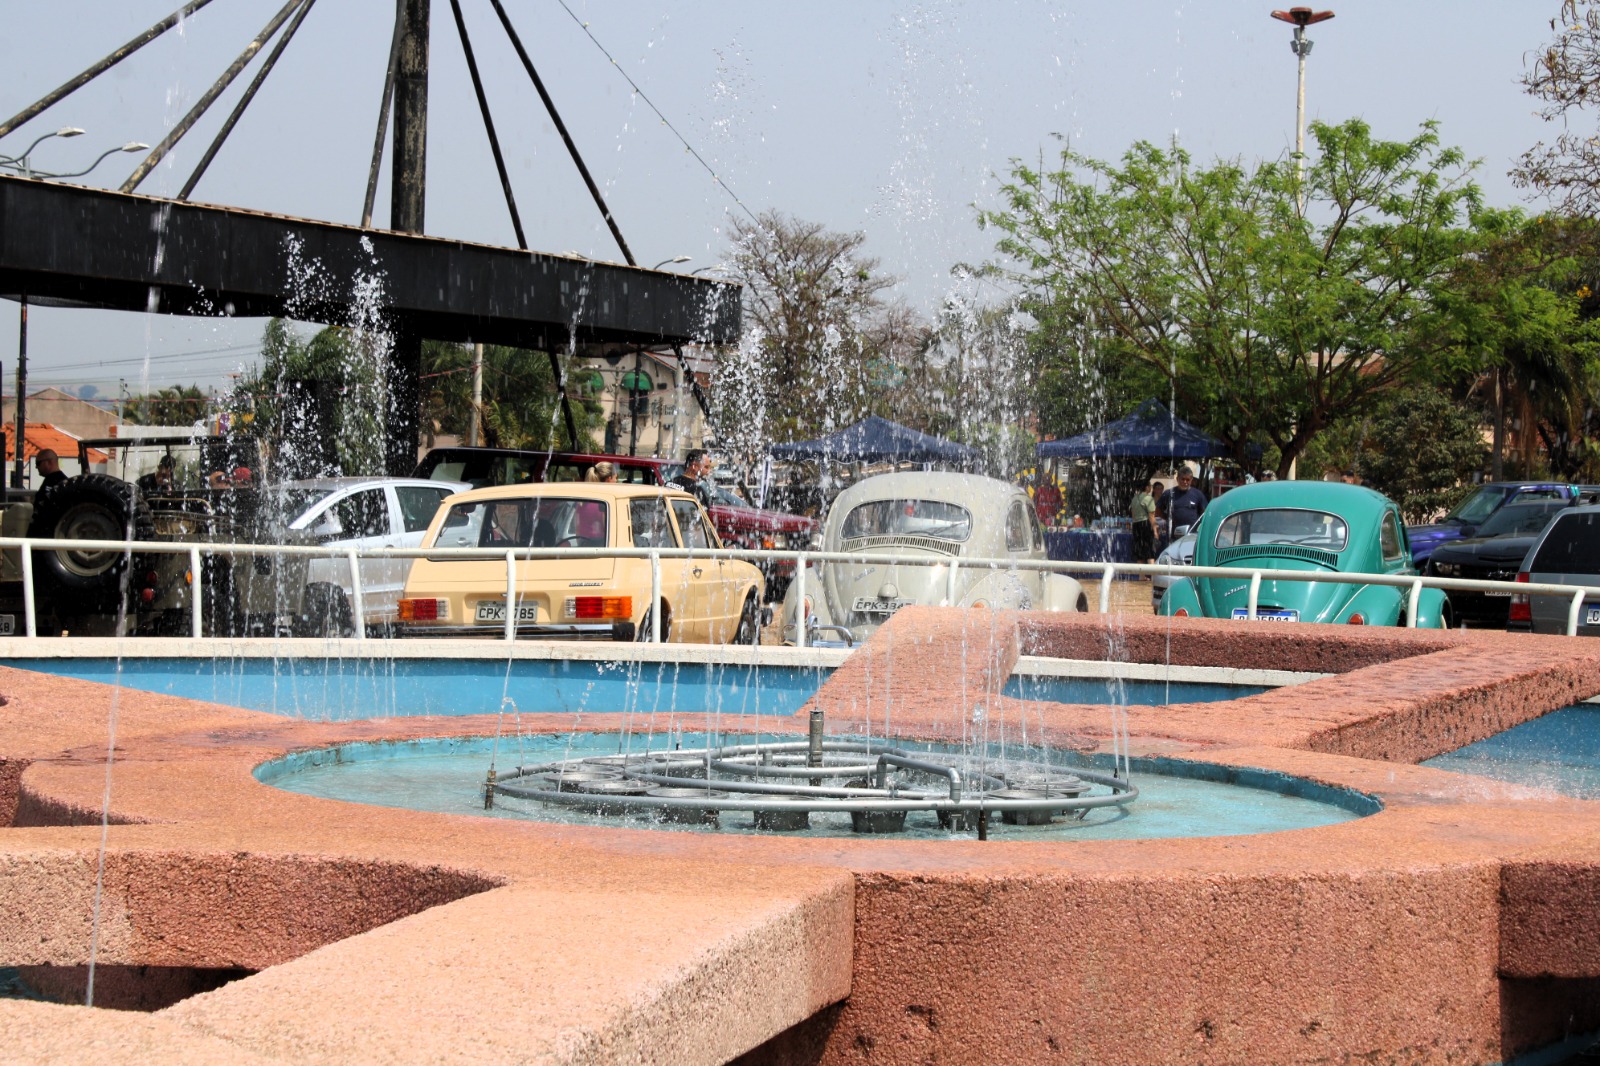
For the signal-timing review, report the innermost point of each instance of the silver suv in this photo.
(1566, 553)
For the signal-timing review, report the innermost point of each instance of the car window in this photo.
(1478, 506)
(1390, 540)
(1018, 537)
(1283, 525)
(1571, 545)
(418, 505)
(648, 517)
(691, 524)
(448, 471)
(1520, 518)
(361, 514)
(1038, 532)
(908, 518)
(564, 470)
(538, 522)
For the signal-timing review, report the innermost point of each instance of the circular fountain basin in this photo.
(1176, 798)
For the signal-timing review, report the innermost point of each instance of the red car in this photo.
(738, 524)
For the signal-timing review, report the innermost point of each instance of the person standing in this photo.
(1142, 523)
(48, 464)
(1183, 504)
(696, 476)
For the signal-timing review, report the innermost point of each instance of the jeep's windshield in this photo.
(908, 518)
(1283, 525)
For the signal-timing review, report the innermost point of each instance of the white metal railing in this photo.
(1106, 571)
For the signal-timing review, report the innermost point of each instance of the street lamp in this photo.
(20, 162)
(674, 259)
(1300, 18)
(131, 146)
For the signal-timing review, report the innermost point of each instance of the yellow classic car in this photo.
(703, 599)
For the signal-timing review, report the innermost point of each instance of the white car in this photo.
(313, 597)
(1179, 553)
(941, 520)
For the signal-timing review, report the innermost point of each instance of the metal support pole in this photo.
(357, 599)
(383, 125)
(20, 477)
(196, 595)
(511, 596)
(488, 123)
(814, 745)
(475, 413)
(655, 597)
(799, 583)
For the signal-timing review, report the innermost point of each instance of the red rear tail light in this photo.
(1521, 605)
(1181, 612)
(1357, 619)
(602, 607)
(423, 610)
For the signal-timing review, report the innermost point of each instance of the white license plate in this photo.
(867, 605)
(1492, 595)
(8, 625)
(1263, 615)
(495, 611)
(1591, 617)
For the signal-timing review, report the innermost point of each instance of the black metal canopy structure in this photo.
(67, 244)
(72, 245)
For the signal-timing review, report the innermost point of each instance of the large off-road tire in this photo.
(88, 507)
(324, 612)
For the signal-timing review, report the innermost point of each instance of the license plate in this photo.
(8, 625)
(495, 611)
(1492, 595)
(1267, 615)
(866, 605)
(1591, 617)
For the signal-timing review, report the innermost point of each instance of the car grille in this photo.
(932, 544)
(1282, 551)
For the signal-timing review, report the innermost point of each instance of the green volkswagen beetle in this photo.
(1315, 527)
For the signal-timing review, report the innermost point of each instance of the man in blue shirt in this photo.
(1183, 504)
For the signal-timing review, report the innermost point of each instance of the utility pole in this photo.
(1300, 18)
(477, 396)
(407, 203)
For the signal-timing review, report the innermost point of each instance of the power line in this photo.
(651, 104)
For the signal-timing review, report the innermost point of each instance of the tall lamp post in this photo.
(1300, 18)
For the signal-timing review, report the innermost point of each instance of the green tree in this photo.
(175, 405)
(818, 332)
(1269, 320)
(521, 404)
(1419, 446)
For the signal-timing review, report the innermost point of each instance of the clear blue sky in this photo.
(889, 118)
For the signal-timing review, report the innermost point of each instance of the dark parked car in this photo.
(1465, 518)
(1566, 553)
(738, 524)
(1495, 554)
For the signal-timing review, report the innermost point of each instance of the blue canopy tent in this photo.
(1150, 432)
(876, 440)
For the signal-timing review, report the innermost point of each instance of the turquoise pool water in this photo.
(1176, 799)
(341, 689)
(1559, 751)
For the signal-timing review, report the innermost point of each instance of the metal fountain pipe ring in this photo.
(844, 804)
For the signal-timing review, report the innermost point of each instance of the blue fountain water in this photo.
(1559, 751)
(1176, 798)
(336, 689)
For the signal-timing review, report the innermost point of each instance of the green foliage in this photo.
(1268, 321)
(175, 405)
(1420, 448)
(521, 406)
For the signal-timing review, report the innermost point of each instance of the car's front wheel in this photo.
(749, 631)
(644, 627)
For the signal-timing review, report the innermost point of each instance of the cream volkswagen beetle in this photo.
(943, 518)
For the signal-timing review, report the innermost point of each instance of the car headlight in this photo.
(1446, 569)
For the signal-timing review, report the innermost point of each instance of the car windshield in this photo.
(1283, 525)
(728, 498)
(537, 522)
(1478, 506)
(1520, 518)
(908, 518)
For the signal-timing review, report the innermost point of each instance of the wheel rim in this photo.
(88, 521)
